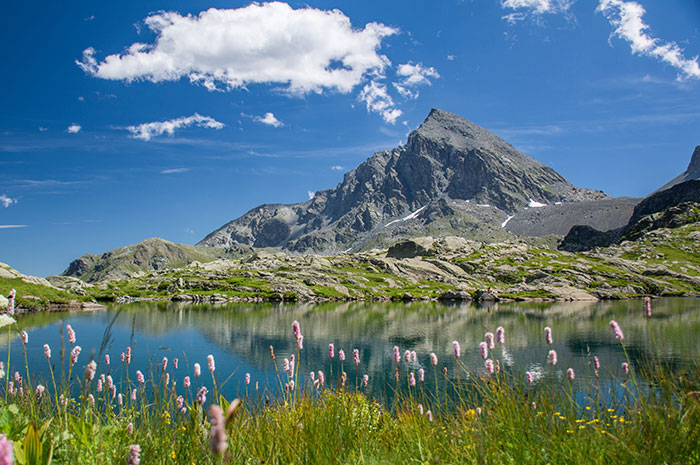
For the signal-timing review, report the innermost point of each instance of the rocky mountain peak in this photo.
(694, 165)
(448, 165)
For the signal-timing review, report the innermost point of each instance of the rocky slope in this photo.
(450, 174)
(660, 210)
(663, 261)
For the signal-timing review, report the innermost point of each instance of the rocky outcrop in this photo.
(452, 177)
(691, 173)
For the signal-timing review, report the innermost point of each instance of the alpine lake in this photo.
(239, 336)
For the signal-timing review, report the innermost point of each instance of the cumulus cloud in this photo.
(305, 50)
(379, 101)
(536, 8)
(311, 194)
(74, 128)
(156, 128)
(412, 76)
(626, 17)
(6, 201)
(269, 119)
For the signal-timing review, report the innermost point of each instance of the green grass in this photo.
(46, 295)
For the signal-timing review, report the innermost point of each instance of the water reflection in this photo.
(239, 336)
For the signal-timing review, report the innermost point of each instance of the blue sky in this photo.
(121, 121)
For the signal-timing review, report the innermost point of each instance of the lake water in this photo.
(239, 337)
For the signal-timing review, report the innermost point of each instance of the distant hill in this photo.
(148, 255)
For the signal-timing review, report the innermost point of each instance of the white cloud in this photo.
(379, 101)
(269, 119)
(305, 50)
(417, 74)
(81, 98)
(536, 8)
(11, 226)
(6, 201)
(175, 171)
(43, 129)
(337, 168)
(74, 128)
(311, 194)
(156, 128)
(451, 57)
(627, 19)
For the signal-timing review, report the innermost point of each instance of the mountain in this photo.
(451, 177)
(151, 254)
(692, 173)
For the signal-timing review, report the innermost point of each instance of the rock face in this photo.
(449, 168)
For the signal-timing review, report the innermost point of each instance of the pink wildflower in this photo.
(341, 355)
(548, 335)
(139, 377)
(457, 349)
(500, 335)
(397, 355)
(11, 302)
(420, 409)
(489, 366)
(164, 364)
(407, 356)
(570, 374)
(120, 399)
(90, 370)
(133, 395)
(429, 414)
(343, 379)
(300, 342)
(202, 395)
(197, 370)
(365, 380)
(247, 378)
(167, 379)
(134, 455)
(331, 350)
(490, 340)
(99, 385)
(272, 352)
(321, 378)
(552, 357)
(484, 349)
(47, 351)
(123, 357)
(113, 391)
(40, 390)
(74, 354)
(71, 334)
(626, 367)
(186, 382)
(6, 451)
(296, 329)
(183, 410)
(312, 376)
(91, 398)
(217, 437)
(130, 429)
(356, 356)
(110, 382)
(596, 363)
(25, 338)
(421, 375)
(616, 330)
(107, 360)
(414, 356)
(176, 363)
(433, 359)
(412, 379)
(180, 402)
(128, 355)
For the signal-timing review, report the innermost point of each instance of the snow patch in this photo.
(483, 205)
(534, 204)
(503, 225)
(406, 218)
